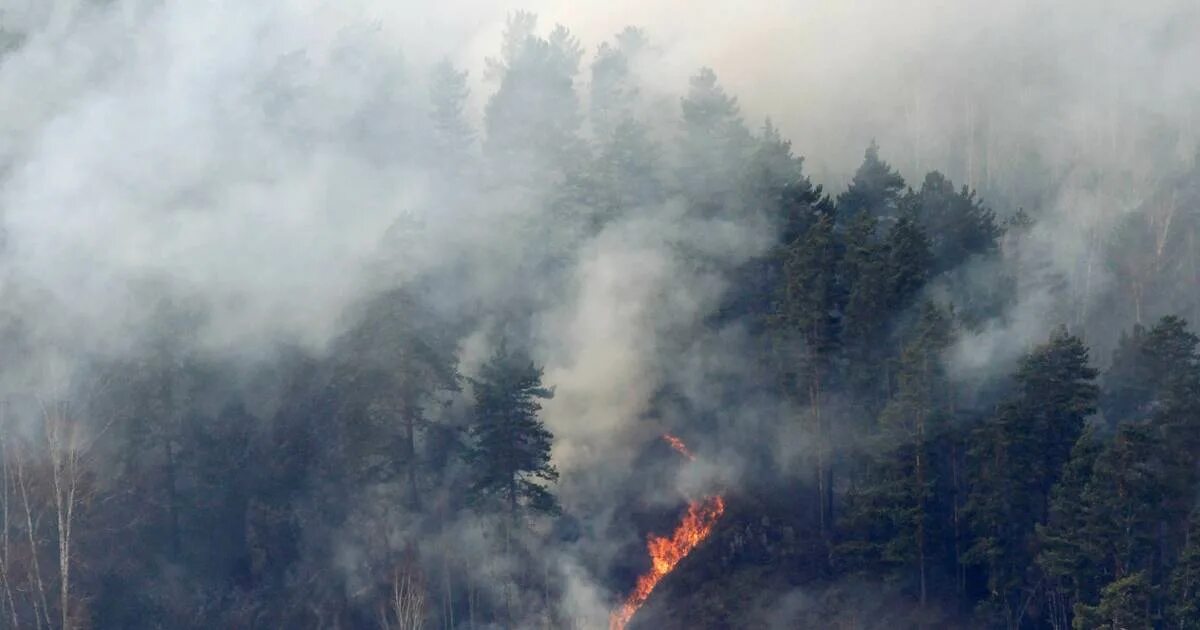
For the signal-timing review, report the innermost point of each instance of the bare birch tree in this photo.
(405, 609)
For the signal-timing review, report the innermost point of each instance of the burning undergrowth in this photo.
(666, 552)
(762, 540)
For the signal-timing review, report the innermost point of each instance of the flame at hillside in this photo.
(678, 445)
(665, 552)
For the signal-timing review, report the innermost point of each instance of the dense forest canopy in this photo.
(342, 315)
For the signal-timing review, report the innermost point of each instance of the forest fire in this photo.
(665, 552)
(678, 445)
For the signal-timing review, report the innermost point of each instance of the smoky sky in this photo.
(263, 159)
(268, 161)
(256, 158)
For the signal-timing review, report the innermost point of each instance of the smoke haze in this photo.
(269, 166)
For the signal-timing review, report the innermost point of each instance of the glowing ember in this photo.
(678, 445)
(665, 553)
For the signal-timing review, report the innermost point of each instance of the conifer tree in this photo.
(1123, 499)
(1018, 455)
(511, 452)
(1129, 384)
(898, 493)
(875, 190)
(390, 368)
(452, 133)
(1068, 553)
(1183, 591)
(1124, 603)
(714, 138)
(628, 171)
(865, 280)
(958, 224)
(807, 313)
(908, 262)
(532, 121)
(614, 89)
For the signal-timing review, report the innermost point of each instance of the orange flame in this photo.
(678, 445)
(665, 553)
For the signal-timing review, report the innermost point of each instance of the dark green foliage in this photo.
(958, 225)
(1129, 382)
(890, 517)
(775, 189)
(774, 185)
(908, 262)
(808, 305)
(875, 190)
(1017, 457)
(1120, 509)
(1069, 553)
(1183, 610)
(818, 354)
(511, 451)
(1125, 603)
(1122, 501)
(807, 315)
(865, 320)
(396, 365)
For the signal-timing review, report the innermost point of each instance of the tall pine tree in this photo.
(511, 452)
(875, 190)
(1018, 456)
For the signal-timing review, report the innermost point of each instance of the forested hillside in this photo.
(298, 333)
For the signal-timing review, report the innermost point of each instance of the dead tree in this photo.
(406, 604)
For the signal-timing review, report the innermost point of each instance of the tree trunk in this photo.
(4, 540)
(960, 574)
(35, 568)
(823, 490)
(172, 498)
(410, 437)
(921, 527)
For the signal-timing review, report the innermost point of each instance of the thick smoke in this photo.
(250, 156)
(267, 164)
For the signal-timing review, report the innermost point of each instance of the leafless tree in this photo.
(405, 609)
(44, 473)
(65, 449)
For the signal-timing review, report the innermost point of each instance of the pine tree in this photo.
(714, 138)
(1057, 392)
(959, 225)
(1123, 500)
(1068, 554)
(898, 493)
(908, 262)
(1018, 456)
(808, 314)
(452, 133)
(1184, 588)
(614, 89)
(1174, 368)
(1129, 381)
(875, 190)
(1124, 603)
(533, 119)
(775, 186)
(628, 171)
(776, 189)
(865, 280)
(389, 370)
(511, 453)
